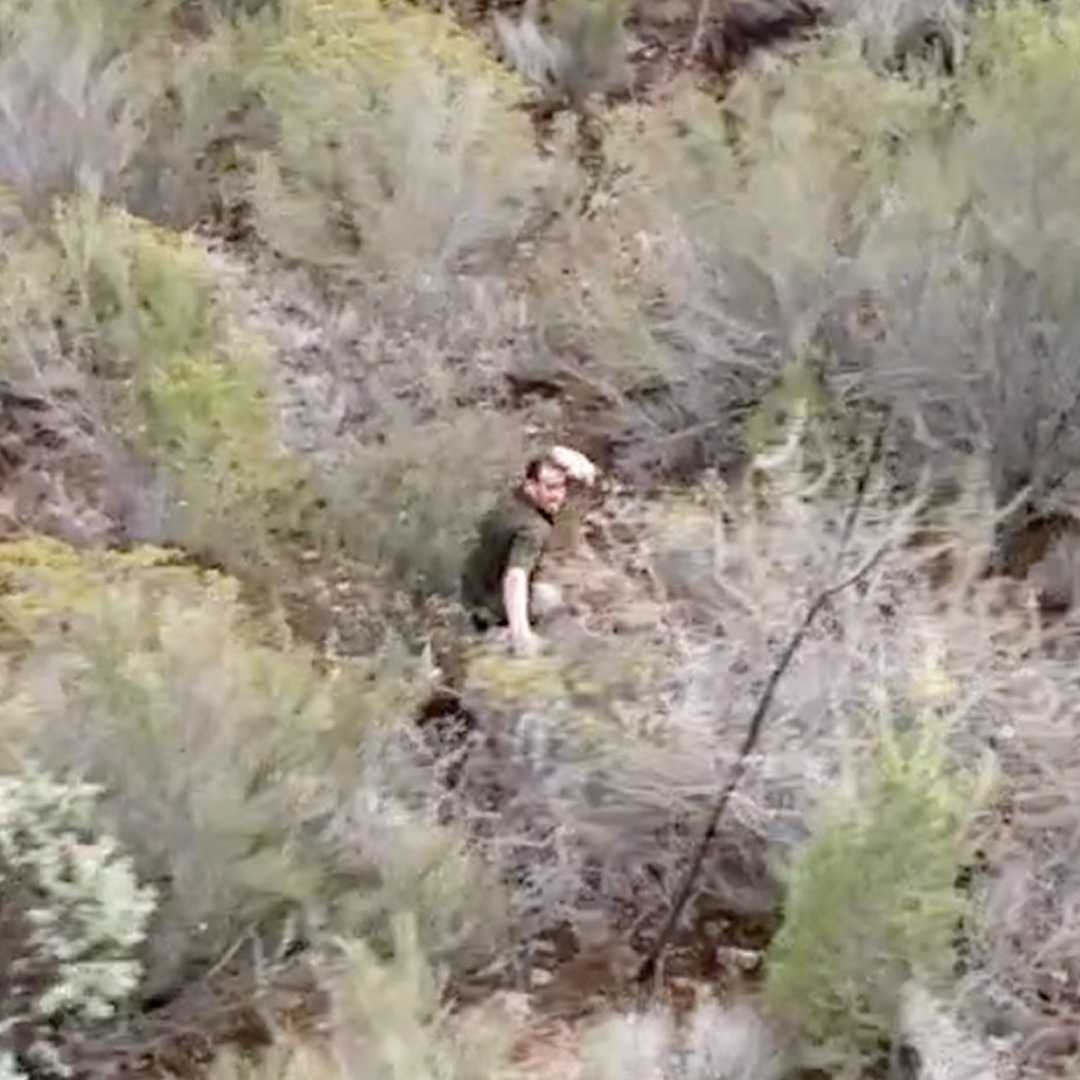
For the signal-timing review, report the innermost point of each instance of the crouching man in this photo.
(499, 581)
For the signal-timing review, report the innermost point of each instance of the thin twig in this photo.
(248, 934)
(862, 485)
(703, 13)
(647, 972)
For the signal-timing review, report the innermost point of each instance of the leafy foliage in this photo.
(73, 915)
(873, 899)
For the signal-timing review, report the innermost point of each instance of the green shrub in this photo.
(128, 314)
(44, 583)
(131, 315)
(73, 916)
(249, 782)
(872, 896)
(367, 44)
(399, 150)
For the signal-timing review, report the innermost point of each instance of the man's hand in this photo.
(526, 644)
(574, 463)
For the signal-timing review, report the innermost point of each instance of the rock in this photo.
(1051, 1041)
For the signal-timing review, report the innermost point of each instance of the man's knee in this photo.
(546, 601)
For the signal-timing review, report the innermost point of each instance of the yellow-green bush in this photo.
(145, 338)
(45, 584)
(129, 314)
(873, 900)
(399, 145)
(1022, 101)
(596, 692)
(367, 44)
(148, 297)
(1025, 44)
(248, 781)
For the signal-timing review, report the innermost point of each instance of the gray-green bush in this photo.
(73, 916)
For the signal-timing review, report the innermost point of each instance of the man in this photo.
(499, 585)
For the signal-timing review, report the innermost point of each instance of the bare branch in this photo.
(648, 970)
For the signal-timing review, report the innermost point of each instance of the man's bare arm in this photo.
(516, 602)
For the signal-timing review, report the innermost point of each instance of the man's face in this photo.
(548, 490)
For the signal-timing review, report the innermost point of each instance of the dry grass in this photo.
(251, 785)
(75, 94)
(118, 106)
(326, 405)
(913, 256)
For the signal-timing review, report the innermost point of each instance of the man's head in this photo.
(545, 484)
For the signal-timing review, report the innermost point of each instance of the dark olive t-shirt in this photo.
(512, 534)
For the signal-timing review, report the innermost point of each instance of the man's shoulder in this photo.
(512, 512)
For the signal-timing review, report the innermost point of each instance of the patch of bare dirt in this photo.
(710, 39)
(63, 475)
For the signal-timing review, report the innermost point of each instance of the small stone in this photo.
(1053, 1041)
(515, 1005)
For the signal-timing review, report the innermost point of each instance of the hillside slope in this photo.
(286, 296)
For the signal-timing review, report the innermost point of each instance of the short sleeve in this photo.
(525, 549)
